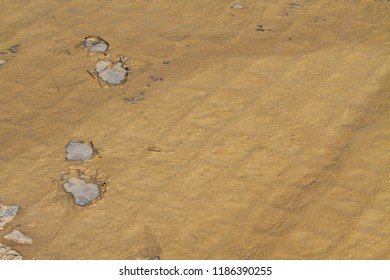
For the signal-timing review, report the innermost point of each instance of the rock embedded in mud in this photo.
(79, 151)
(13, 49)
(112, 73)
(7, 253)
(93, 44)
(2, 62)
(18, 237)
(7, 213)
(82, 191)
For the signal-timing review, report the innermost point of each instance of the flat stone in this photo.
(78, 151)
(18, 237)
(7, 253)
(7, 213)
(113, 73)
(3, 61)
(82, 192)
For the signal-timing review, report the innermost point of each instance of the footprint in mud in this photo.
(83, 187)
(153, 250)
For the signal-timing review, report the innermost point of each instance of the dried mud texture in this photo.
(272, 145)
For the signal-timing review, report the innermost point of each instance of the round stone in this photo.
(78, 151)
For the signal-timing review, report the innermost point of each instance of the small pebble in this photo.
(154, 149)
(3, 61)
(13, 49)
(236, 6)
(260, 28)
(157, 78)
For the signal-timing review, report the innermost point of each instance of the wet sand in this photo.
(254, 144)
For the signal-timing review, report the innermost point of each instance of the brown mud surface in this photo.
(257, 133)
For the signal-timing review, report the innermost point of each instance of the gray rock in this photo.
(78, 151)
(113, 74)
(7, 253)
(3, 61)
(18, 237)
(82, 192)
(7, 213)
